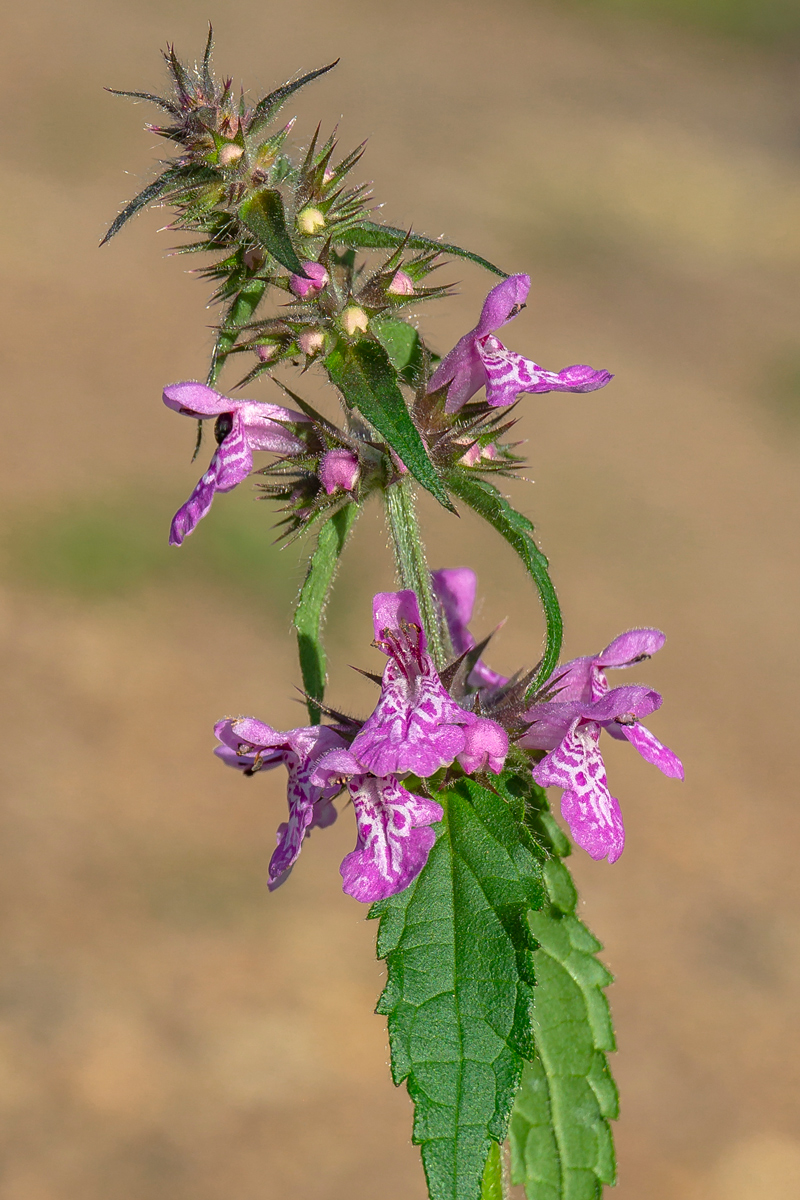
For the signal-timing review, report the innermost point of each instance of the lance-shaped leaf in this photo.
(372, 236)
(268, 107)
(263, 214)
(311, 604)
(458, 995)
(365, 377)
(561, 1142)
(485, 499)
(147, 196)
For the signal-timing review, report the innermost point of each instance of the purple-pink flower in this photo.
(569, 728)
(455, 588)
(252, 746)
(417, 726)
(308, 288)
(339, 469)
(481, 360)
(242, 426)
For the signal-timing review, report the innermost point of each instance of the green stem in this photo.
(492, 1185)
(307, 619)
(412, 569)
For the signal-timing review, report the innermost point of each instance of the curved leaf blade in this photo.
(488, 502)
(147, 196)
(371, 236)
(458, 995)
(314, 593)
(365, 377)
(268, 107)
(263, 214)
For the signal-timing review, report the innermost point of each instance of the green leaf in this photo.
(458, 995)
(365, 377)
(240, 312)
(145, 197)
(307, 618)
(372, 236)
(401, 342)
(268, 107)
(262, 213)
(561, 1143)
(485, 499)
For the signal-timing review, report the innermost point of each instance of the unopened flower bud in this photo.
(472, 456)
(307, 289)
(354, 320)
(267, 352)
(402, 285)
(229, 154)
(339, 469)
(310, 220)
(311, 341)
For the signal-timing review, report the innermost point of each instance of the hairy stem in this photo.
(412, 569)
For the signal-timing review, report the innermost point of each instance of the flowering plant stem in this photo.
(412, 568)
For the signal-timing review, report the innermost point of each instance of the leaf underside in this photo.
(365, 377)
(458, 995)
(561, 1142)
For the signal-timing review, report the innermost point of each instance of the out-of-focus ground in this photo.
(167, 1028)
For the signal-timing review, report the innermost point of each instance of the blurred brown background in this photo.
(167, 1028)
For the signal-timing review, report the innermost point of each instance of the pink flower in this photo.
(455, 588)
(416, 725)
(242, 426)
(307, 289)
(339, 469)
(251, 746)
(481, 360)
(401, 284)
(569, 728)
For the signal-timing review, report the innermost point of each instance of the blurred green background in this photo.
(168, 1028)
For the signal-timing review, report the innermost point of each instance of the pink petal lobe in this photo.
(198, 400)
(587, 806)
(196, 507)
(631, 647)
(233, 458)
(485, 748)
(394, 838)
(389, 609)
(456, 588)
(653, 751)
(502, 304)
(509, 373)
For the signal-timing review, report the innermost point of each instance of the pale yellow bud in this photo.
(310, 221)
(230, 154)
(354, 320)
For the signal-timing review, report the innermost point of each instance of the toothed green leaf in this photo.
(263, 214)
(458, 995)
(561, 1142)
(485, 499)
(364, 375)
(372, 236)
